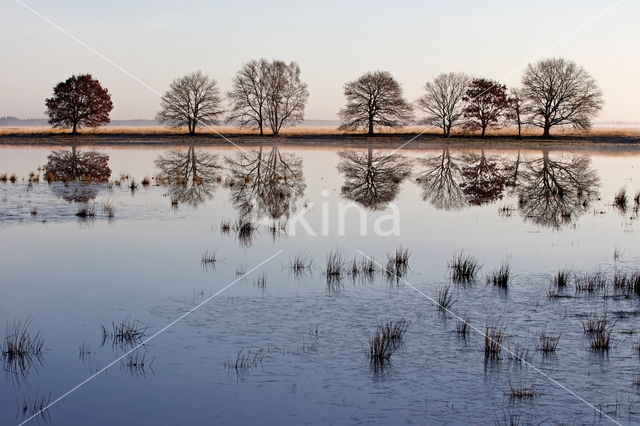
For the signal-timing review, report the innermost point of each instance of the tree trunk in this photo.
(547, 130)
(484, 130)
(261, 129)
(370, 132)
(519, 131)
(74, 130)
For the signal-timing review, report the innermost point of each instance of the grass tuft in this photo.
(500, 277)
(463, 268)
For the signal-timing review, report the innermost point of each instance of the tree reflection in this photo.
(553, 192)
(81, 171)
(372, 179)
(265, 183)
(440, 180)
(483, 179)
(191, 175)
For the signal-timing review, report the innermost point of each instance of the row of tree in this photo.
(271, 94)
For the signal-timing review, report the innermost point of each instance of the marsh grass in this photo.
(225, 227)
(548, 344)
(261, 280)
(627, 281)
(86, 211)
(146, 181)
(245, 230)
(108, 209)
(133, 185)
(4, 178)
(561, 278)
(463, 326)
(521, 391)
(13, 178)
(493, 336)
(34, 211)
(386, 339)
(335, 264)
(445, 299)
(209, 257)
(35, 407)
(519, 354)
(599, 329)
(397, 263)
(300, 263)
(126, 332)
(590, 283)
(463, 268)
(245, 361)
(620, 200)
(21, 349)
(500, 277)
(136, 363)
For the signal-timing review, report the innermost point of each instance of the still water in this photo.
(302, 338)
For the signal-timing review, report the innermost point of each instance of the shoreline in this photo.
(385, 140)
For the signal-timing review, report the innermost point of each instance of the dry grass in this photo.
(445, 299)
(548, 344)
(315, 130)
(521, 391)
(500, 277)
(493, 336)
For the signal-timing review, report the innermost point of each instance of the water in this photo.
(304, 338)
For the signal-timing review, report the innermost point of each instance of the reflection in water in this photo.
(440, 181)
(265, 183)
(81, 171)
(190, 174)
(553, 192)
(483, 179)
(372, 180)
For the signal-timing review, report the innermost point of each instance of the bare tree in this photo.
(555, 191)
(248, 96)
(443, 101)
(286, 95)
(265, 183)
(191, 175)
(80, 101)
(374, 99)
(485, 102)
(191, 101)
(484, 181)
(516, 111)
(372, 179)
(440, 181)
(558, 92)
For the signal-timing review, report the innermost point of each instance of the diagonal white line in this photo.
(480, 332)
(148, 339)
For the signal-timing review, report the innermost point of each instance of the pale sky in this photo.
(333, 41)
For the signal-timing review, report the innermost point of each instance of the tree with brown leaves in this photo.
(486, 101)
(78, 102)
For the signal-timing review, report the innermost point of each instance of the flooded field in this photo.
(298, 285)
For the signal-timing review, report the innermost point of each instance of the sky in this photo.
(137, 47)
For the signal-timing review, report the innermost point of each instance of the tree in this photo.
(558, 92)
(80, 101)
(483, 180)
(555, 191)
(75, 165)
(443, 101)
(191, 101)
(374, 99)
(515, 110)
(192, 175)
(286, 95)
(440, 181)
(486, 100)
(265, 183)
(372, 179)
(248, 95)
